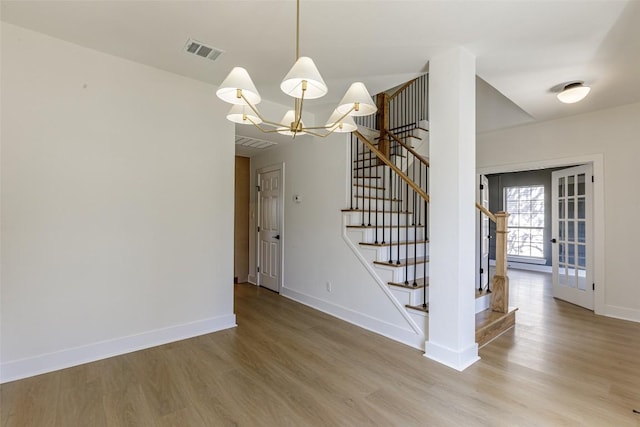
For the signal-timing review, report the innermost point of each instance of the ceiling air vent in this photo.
(202, 50)
(245, 141)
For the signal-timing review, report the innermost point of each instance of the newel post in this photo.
(500, 295)
(382, 101)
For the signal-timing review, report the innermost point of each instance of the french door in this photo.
(572, 236)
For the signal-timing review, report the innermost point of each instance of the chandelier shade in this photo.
(304, 70)
(357, 101)
(243, 114)
(290, 120)
(238, 79)
(341, 125)
(302, 82)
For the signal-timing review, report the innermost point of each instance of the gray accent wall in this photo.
(497, 183)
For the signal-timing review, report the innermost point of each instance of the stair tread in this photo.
(380, 226)
(380, 211)
(373, 211)
(420, 283)
(369, 167)
(378, 198)
(404, 262)
(361, 156)
(369, 186)
(387, 244)
(419, 307)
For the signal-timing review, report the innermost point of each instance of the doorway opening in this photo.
(587, 254)
(241, 220)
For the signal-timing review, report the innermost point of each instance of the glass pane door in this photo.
(571, 214)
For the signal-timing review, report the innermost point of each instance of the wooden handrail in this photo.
(403, 87)
(409, 149)
(487, 212)
(396, 169)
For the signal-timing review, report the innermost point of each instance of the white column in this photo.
(452, 220)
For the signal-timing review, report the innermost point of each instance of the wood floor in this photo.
(288, 365)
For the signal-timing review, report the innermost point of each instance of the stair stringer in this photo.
(415, 339)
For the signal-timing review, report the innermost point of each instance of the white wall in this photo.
(614, 135)
(314, 251)
(116, 231)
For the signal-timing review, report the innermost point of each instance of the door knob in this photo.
(554, 241)
(277, 237)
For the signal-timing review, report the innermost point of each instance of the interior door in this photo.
(572, 207)
(269, 232)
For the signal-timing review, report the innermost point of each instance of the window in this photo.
(526, 220)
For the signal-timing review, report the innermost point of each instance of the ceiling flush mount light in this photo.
(302, 82)
(573, 92)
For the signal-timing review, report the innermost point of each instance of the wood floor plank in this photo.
(289, 365)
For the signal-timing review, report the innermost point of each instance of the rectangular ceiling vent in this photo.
(202, 50)
(245, 141)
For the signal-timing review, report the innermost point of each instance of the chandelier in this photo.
(302, 82)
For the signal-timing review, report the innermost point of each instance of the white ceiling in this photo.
(524, 48)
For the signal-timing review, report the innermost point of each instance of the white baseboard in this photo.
(405, 336)
(458, 360)
(622, 313)
(23, 368)
(524, 266)
(617, 312)
(252, 279)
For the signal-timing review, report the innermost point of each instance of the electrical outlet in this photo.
(328, 286)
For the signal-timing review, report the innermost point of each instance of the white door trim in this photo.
(597, 161)
(271, 168)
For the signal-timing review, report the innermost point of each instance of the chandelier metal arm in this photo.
(294, 126)
(260, 127)
(321, 135)
(255, 110)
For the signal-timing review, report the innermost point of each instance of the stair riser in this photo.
(370, 192)
(409, 296)
(406, 251)
(385, 234)
(359, 218)
(365, 160)
(367, 172)
(382, 193)
(376, 182)
(400, 274)
(377, 205)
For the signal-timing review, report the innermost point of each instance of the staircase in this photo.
(387, 222)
